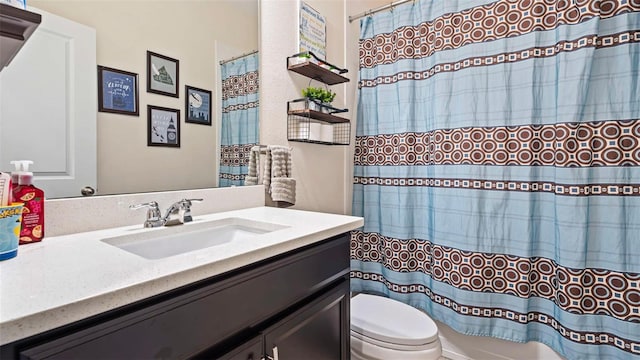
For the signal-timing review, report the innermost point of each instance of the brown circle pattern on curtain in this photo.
(584, 337)
(250, 105)
(590, 41)
(235, 155)
(507, 185)
(579, 291)
(601, 143)
(232, 177)
(244, 84)
(498, 20)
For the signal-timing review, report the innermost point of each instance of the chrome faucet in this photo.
(154, 218)
(178, 213)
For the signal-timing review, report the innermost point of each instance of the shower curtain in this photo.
(497, 167)
(239, 128)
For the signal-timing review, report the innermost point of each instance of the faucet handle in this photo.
(151, 204)
(187, 202)
(186, 206)
(154, 217)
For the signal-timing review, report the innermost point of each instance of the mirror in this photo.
(199, 34)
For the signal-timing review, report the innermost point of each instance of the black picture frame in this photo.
(197, 105)
(163, 74)
(159, 129)
(117, 91)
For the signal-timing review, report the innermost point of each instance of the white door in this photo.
(48, 105)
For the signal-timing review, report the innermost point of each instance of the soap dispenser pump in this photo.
(18, 168)
(33, 199)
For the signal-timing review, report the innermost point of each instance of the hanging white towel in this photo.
(266, 177)
(254, 165)
(283, 190)
(282, 186)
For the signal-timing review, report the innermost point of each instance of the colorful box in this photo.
(10, 224)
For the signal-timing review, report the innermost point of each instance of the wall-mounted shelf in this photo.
(317, 115)
(311, 121)
(316, 126)
(315, 110)
(16, 26)
(307, 64)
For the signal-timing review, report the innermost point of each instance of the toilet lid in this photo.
(391, 321)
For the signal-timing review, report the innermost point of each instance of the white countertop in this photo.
(68, 278)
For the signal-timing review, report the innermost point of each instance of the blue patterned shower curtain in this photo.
(239, 129)
(497, 166)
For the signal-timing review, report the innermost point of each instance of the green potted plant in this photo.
(319, 98)
(313, 94)
(326, 98)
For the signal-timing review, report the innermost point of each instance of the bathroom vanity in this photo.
(283, 294)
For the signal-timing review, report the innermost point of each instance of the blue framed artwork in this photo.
(117, 91)
(163, 74)
(197, 105)
(163, 126)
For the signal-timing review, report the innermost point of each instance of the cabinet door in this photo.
(317, 331)
(251, 350)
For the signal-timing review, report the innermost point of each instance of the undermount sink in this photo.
(169, 241)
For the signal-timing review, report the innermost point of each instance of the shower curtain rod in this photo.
(238, 57)
(378, 9)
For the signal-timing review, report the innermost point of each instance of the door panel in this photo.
(251, 350)
(318, 331)
(48, 105)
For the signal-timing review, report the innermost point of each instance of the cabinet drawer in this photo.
(194, 321)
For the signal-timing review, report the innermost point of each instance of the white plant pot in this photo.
(314, 106)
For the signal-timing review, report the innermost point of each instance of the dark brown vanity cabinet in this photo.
(289, 307)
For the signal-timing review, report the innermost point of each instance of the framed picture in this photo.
(163, 74)
(163, 127)
(197, 105)
(117, 91)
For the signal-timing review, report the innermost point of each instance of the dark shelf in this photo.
(304, 115)
(302, 126)
(16, 26)
(312, 69)
(317, 72)
(319, 116)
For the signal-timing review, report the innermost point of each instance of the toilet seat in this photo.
(391, 324)
(392, 346)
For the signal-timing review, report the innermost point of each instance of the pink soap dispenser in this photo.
(33, 210)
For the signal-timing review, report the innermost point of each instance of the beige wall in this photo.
(183, 30)
(318, 169)
(323, 173)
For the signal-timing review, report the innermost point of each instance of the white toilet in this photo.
(386, 329)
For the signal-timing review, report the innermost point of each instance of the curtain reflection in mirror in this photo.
(239, 128)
